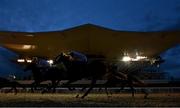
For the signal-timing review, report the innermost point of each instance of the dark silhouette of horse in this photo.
(121, 80)
(128, 78)
(41, 74)
(8, 83)
(115, 78)
(75, 70)
(129, 81)
(92, 70)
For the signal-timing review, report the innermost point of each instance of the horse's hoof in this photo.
(146, 96)
(82, 97)
(77, 96)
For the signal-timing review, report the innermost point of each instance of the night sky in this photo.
(128, 15)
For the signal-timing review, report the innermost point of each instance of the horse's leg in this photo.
(69, 82)
(107, 84)
(54, 85)
(100, 89)
(105, 87)
(17, 84)
(84, 88)
(93, 82)
(133, 91)
(49, 88)
(15, 90)
(14, 87)
(22, 86)
(146, 93)
(45, 90)
(132, 88)
(81, 91)
(34, 85)
(106, 90)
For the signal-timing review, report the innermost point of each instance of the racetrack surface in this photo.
(93, 99)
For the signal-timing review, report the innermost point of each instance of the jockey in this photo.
(43, 63)
(77, 56)
(74, 57)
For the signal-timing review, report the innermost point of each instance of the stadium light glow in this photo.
(20, 60)
(126, 58)
(137, 58)
(27, 47)
(50, 62)
(30, 35)
(28, 61)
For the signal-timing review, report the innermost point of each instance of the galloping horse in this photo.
(115, 78)
(122, 81)
(93, 70)
(41, 74)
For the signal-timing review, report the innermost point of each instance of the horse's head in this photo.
(62, 58)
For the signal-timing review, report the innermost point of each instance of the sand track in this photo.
(94, 99)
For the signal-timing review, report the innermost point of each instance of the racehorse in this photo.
(128, 81)
(41, 74)
(129, 77)
(115, 78)
(93, 70)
